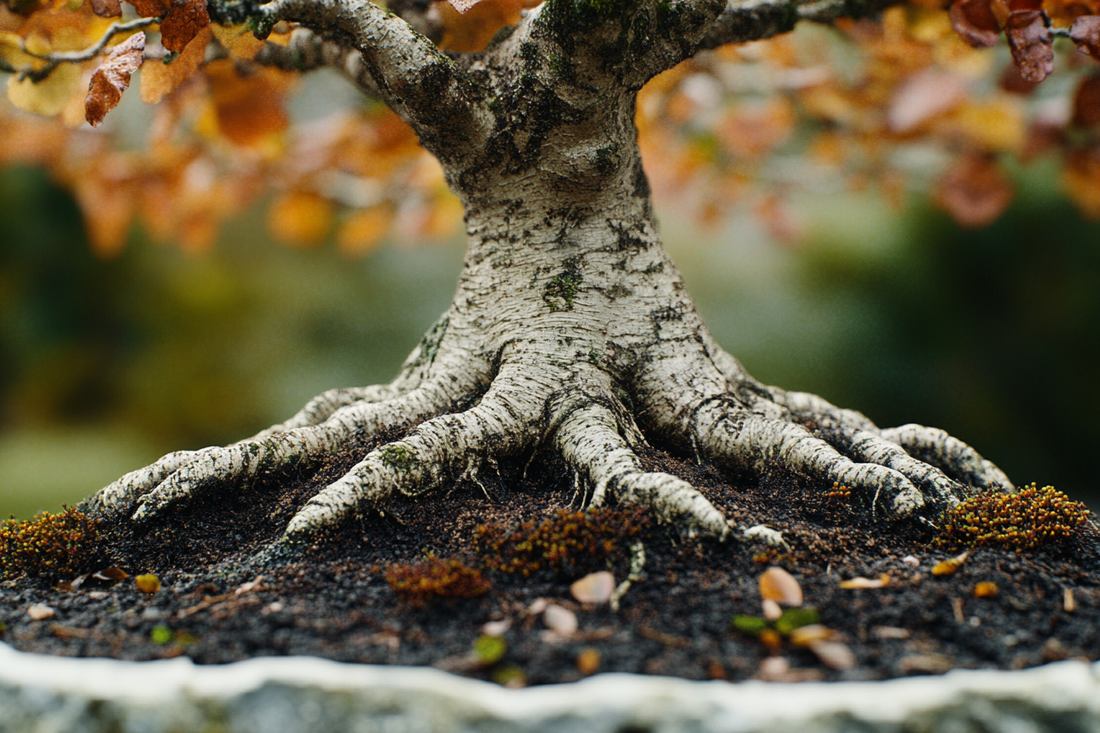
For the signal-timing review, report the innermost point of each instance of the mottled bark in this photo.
(571, 330)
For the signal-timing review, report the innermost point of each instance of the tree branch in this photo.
(757, 20)
(409, 73)
(308, 51)
(72, 57)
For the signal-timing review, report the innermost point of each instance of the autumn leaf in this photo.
(1085, 32)
(106, 8)
(975, 22)
(48, 97)
(974, 192)
(470, 28)
(112, 78)
(184, 21)
(299, 219)
(248, 108)
(159, 79)
(1031, 43)
(150, 8)
(1086, 103)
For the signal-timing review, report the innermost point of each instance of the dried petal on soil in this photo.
(986, 589)
(890, 632)
(951, 565)
(594, 588)
(1068, 604)
(496, 628)
(560, 620)
(40, 612)
(776, 584)
(811, 634)
(852, 583)
(834, 654)
(588, 661)
(147, 583)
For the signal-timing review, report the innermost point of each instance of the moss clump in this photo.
(565, 544)
(1031, 519)
(398, 457)
(50, 544)
(433, 578)
(561, 290)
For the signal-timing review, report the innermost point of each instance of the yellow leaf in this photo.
(238, 40)
(300, 219)
(996, 125)
(364, 230)
(49, 96)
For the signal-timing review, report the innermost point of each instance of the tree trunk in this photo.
(570, 330)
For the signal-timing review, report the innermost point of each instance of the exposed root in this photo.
(951, 454)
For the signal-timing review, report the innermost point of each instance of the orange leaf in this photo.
(1031, 44)
(106, 8)
(975, 22)
(463, 6)
(471, 29)
(974, 192)
(150, 8)
(776, 584)
(159, 79)
(249, 109)
(112, 78)
(1085, 32)
(364, 230)
(1086, 103)
(299, 219)
(183, 23)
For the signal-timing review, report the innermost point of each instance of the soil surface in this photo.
(333, 599)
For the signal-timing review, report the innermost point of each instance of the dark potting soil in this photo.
(333, 599)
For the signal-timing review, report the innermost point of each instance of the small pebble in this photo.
(40, 612)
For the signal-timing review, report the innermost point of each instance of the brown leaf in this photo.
(112, 78)
(974, 192)
(463, 6)
(1085, 32)
(158, 79)
(1031, 43)
(1086, 103)
(776, 584)
(184, 21)
(975, 22)
(150, 8)
(106, 8)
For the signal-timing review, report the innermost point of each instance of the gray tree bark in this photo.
(571, 330)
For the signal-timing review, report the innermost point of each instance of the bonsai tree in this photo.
(570, 330)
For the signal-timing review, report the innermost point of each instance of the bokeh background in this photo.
(105, 365)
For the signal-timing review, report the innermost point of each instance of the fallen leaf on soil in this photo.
(560, 620)
(810, 635)
(951, 565)
(985, 589)
(40, 612)
(594, 588)
(880, 582)
(112, 78)
(496, 628)
(68, 632)
(834, 654)
(1068, 604)
(776, 584)
(106, 578)
(890, 632)
(147, 583)
(772, 610)
(489, 649)
(588, 661)
(911, 560)
(251, 586)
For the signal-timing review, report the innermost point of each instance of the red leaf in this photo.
(106, 8)
(183, 22)
(1031, 44)
(1085, 32)
(974, 192)
(1086, 103)
(150, 8)
(112, 77)
(975, 22)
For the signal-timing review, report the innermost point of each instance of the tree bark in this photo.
(570, 330)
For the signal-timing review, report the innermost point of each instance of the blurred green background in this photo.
(106, 365)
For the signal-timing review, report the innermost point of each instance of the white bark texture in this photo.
(571, 330)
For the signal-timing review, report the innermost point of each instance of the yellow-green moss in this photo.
(50, 544)
(1030, 519)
